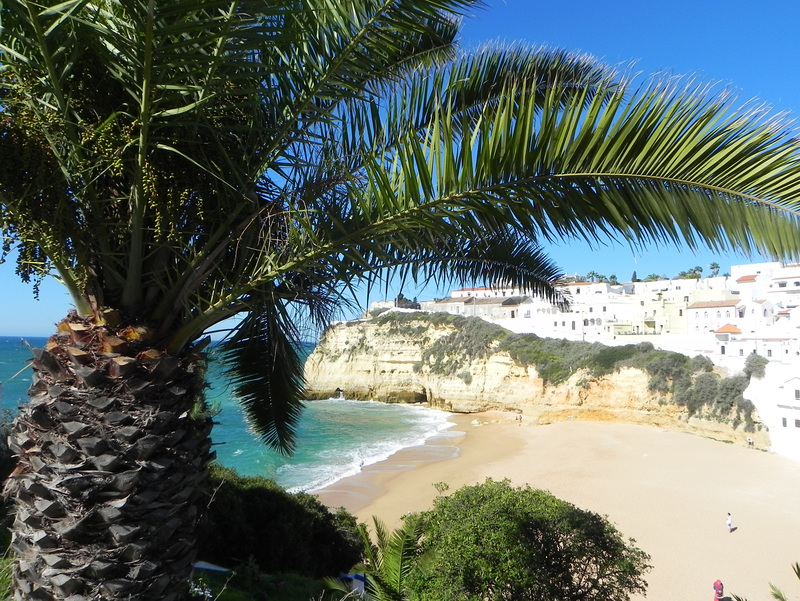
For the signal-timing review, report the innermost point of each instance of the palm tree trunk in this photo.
(112, 459)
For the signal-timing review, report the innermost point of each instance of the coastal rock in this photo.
(365, 360)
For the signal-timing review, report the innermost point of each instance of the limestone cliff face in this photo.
(366, 361)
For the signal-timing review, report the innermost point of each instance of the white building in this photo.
(754, 310)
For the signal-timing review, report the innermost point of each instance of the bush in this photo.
(666, 364)
(607, 359)
(492, 541)
(755, 366)
(472, 339)
(282, 532)
(700, 363)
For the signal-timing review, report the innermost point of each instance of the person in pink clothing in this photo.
(718, 590)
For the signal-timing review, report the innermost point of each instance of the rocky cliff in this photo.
(390, 362)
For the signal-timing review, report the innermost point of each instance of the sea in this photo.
(336, 437)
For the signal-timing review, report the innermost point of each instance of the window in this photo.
(797, 423)
(555, 324)
(591, 309)
(769, 352)
(781, 284)
(604, 309)
(680, 312)
(573, 325)
(719, 314)
(784, 422)
(797, 394)
(741, 352)
(705, 314)
(722, 350)
(727, 314)
(641, 303)
(686, 299)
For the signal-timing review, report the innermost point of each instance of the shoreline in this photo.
(669, 490)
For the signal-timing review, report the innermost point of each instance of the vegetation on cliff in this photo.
(688, 382)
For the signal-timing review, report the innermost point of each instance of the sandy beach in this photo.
(670, 491)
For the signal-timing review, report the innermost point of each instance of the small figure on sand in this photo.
(718, 590)
(729, 522)
(749, 442)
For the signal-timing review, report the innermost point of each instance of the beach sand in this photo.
(670, 491)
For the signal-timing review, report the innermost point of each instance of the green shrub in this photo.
(700, 363)
(471, 339)
(252, 517)
(493, 541)
(658, 384)
(607, 360)
(755, 366)
(666, 364)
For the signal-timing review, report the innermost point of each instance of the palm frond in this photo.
(262, 360)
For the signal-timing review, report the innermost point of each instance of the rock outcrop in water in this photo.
(401, 360)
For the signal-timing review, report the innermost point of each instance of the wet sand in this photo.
(671, 491)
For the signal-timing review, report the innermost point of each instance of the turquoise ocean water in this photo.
(335, 437)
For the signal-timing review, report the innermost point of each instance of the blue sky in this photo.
(752, 46)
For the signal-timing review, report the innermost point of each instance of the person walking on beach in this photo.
(729, 522)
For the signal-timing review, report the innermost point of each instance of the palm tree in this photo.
(175, 164)
(388, 559)
(592, 276)
(714, 267)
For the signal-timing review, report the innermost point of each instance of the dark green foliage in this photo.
(658, 384)
(666, 364)
(665, 368)
(492, 542)
(681, 389)
(700, 363)
(703, 392)
(251, 517)
(606, 360)
(472, 339)
(7, 463)
(250, 584)
(755, 366)
(645, 347)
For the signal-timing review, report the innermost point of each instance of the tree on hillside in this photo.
(175, 164)
(695, 273)
(494, 541)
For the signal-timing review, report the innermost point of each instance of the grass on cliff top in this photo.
(687, 382)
